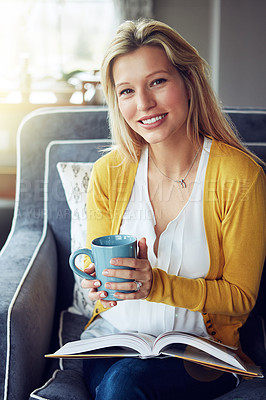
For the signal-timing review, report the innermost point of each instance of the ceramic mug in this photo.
(103, 249)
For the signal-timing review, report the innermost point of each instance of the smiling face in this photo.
(151, 93)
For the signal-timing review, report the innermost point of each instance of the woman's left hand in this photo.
(141, 275)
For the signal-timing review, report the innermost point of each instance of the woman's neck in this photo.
(174, 159)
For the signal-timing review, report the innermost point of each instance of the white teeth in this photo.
(152, 120)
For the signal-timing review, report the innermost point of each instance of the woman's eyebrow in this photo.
(165, 71)
(147, 76)
(121, 84)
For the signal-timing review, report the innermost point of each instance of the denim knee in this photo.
(122, 381)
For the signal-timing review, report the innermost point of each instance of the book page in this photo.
(195, 355)
(212, 348)
(143, 345)
(140, 343)
(100, 353)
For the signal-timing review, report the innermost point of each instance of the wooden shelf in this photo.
(7, 183)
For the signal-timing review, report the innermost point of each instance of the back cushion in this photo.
(75, 179)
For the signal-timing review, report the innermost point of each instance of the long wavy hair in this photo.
(205, 116)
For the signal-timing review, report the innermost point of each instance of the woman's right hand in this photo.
(92, 284)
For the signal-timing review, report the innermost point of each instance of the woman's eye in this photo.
(126, 91)
(158, 81)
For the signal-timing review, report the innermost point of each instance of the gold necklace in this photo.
(181, 181)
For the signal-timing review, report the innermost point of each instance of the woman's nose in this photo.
(145, 101)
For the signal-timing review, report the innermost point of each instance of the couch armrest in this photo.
(28, 282)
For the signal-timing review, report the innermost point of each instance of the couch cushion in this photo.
(70, 329)
(252, 389)
(75, 178)
(58, 211)
(66, 383)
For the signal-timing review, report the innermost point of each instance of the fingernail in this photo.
(108, 285)
(113, 261)
(105, 272)
(102, 295)
(97, 283)
(112, 304)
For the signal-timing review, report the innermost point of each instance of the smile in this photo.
(153, 119)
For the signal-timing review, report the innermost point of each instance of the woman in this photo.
(180, 181)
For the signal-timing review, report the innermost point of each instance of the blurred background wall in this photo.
(231, 36)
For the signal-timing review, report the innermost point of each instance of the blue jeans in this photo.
(154, 379)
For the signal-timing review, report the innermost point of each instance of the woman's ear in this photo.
(188, 79)
(188, 88)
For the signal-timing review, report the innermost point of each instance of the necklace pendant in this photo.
(182, 183)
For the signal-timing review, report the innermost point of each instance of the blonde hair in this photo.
(205, 116)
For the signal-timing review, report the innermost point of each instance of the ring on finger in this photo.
(138, 286)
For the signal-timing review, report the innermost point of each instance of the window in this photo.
(51, 38)
(41, 43)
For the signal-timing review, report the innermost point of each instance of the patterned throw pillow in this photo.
(75, 178)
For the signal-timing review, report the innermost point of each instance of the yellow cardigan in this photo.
(235, 219)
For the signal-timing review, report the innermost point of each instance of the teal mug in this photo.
(103, 249)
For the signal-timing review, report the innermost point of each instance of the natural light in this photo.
(44, 42)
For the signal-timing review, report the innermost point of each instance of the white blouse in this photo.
(182, 250)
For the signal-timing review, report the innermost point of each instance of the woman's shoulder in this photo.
(115, 160)
(232, 161)
(110, 158)
(231, 174)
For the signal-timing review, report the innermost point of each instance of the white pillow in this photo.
(75, 178)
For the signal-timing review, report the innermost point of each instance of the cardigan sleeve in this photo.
(97, 207)
(109, 191)
(230, 288)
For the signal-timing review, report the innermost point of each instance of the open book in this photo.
(172, 344)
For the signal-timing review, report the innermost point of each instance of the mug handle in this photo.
(73, 266)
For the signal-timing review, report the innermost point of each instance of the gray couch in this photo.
(36, 284)
(6, 216)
